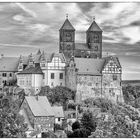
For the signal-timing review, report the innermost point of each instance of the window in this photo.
(96, 48)
(61, 76)
(97, 84)
(96, 38)
(59, 119)
(52, 75)
(4, 82)
(10, 74)
(4, 74)
(114, 77)
(43, 75)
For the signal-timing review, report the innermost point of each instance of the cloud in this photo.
(30, 12)
(36, 25)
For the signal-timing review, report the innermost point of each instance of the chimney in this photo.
(2, 55)
(36, 96)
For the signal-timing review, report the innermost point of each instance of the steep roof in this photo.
(36, 58)
(89, 65)
(58, 111)
(23, 112)
(9, 64)
(67, 26)
(32, 70)
(94, 27)
(115, 59)
(38, 52)
(40, 106)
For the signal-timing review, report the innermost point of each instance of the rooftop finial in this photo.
(93, 18)
(67, 16)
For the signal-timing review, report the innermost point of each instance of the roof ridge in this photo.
(67, 25)
(94, 27)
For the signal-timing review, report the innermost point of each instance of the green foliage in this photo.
(131, 95)
(120, 121)
(102, 103)
(88, 122)
(75, 125)
(79, 133)
(58, 94)
(58, 127)
(11, 123)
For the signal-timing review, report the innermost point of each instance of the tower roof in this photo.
(94, 27)
(38, 52)
(67, 26)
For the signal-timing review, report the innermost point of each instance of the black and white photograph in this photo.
(70, 69)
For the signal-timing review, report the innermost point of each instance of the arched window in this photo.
(96, 38)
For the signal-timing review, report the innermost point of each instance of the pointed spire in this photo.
(67, 15)
(94, 26)
(31, 61)
(93, 18)
(67, 25)
(43, 55)
(20, 59)
(39, 52)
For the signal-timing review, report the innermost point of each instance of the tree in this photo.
(75, 125)
(11, 123)
(87, 121)
(131, 95)
(120, 121)
(58, 94)
(79, 133)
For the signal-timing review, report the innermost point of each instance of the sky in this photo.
(26, 27)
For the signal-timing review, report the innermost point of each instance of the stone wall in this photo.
(111, 87)
(71, 76)
(88, 86)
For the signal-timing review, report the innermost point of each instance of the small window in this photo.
(43, 75)
(96, 48)
(59, 119)
(10, 74)
(96, 38)
(4, 74)
(110, 90)
(61, 76)
(52, 75)
(114, 77)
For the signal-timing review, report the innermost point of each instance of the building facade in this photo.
(87, 72)
(78, 66)
(39, 113)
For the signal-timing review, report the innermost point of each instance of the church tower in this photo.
(94, 40)
(67, 39)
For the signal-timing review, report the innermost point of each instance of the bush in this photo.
(75, 125)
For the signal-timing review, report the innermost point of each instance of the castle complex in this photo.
(78, 66)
